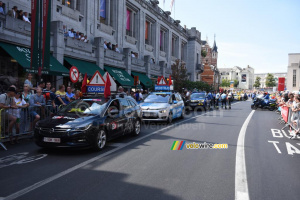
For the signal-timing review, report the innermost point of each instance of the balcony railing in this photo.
(77, 44)
(154, 67)
(138, 62)
(113, 55)
(17, 25)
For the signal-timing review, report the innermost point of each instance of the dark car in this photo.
(198, 99)
(91, 121)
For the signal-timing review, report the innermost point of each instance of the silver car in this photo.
(163, 106)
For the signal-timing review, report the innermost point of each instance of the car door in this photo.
(126, 115)
(180, 104)
(114, 121)
(174, 106)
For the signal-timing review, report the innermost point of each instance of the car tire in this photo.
(100, 140)
(170, 118)
(136, 127)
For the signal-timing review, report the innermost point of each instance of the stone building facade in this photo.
(139, 26)
(293, 72)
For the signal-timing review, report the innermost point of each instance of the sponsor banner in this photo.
(46, 34)
(285, 113)
(244, 78)
(34, 34)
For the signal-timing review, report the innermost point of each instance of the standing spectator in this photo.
(41, 85)
(105, 45)
(20, 103)
(109, 46)
(77, 35)
(114, 47)
(61, 96)
(71, 33)
(77, 95)
(26, 93)
(217, 99)
(53, 98)
(28, 81)
(141, 95)
(37, 101)
(137, 96)
(25, 17)
(48, 88)
(121, 90)
(66, 33)
(82, 37)
(224, 99)
(117, 48)
(20, 14)
(7, 102)
(1, 8)
(85, 39)
(13, 12)
(69, 94)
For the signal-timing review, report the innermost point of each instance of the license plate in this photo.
(150, 114)
(53, 140)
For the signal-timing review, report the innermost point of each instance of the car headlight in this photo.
(202, 101)
(194, 100)
(163, 111)
(82, 127)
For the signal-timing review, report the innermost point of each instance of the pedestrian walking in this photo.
(224, 99)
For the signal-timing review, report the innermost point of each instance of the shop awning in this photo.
(84, 66)
(22, 55)
(146, 81)
(120, 75)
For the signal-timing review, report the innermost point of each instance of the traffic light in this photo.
(136, 80)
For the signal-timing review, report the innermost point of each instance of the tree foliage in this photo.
(179, 75)
(236, 83)
(257, 82)
(270, 80)
(225, 83)
(203, 53)
(199, 85)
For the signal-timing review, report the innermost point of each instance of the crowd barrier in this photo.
(290, 118)
(24, 123)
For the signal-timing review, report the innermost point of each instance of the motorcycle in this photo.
(263, 104)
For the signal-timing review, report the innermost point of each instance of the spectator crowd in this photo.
(15, 13)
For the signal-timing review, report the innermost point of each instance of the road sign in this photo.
(162, 81)
(96, 84)
(74, 74)
(162, 88)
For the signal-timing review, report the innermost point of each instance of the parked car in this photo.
(198, 99)
(163, 106)
(91, 121)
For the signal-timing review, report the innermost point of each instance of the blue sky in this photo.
(259, 33)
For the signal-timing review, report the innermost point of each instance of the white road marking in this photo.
(241, 184)
(70, 170)
(275, 145)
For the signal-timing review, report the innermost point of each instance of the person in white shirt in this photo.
(132, 55)
(20, 103)
(1, 8)
(71, 33)
(105, 45)
(224, 99)
(141, 94)
(25, 17)
(229, 99)
(117, 49)
(13, 12)
(217, 98)
(85, 39)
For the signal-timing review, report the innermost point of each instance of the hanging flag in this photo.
(84, 83)
(35, 5)
(170, 80)
(46, 34)
(128, 20)
(103, 9)
(107, 86)
(171, 6)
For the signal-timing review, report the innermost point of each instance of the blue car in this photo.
(198, 99)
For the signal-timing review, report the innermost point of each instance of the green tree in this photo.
(203, 53)
(270, 80)
(257, 82)
(236, 83)
(179, 75)
(225, 83)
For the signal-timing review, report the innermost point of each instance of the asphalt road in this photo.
(145, 167)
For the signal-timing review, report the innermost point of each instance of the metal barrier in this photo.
(23, 126)
(291, 118)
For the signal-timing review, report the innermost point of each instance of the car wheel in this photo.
(136, 127)
(182, 113)
(170, 118)
(100, 140)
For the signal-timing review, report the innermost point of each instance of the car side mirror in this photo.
(174, 102)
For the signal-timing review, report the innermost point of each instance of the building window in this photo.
(294, 77)
(149, 31)
(106, 12)
(183, 49)
(163, 41)
(131, 22)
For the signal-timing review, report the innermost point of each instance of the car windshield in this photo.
(85, 107)
(198, 95)
(157, 98)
